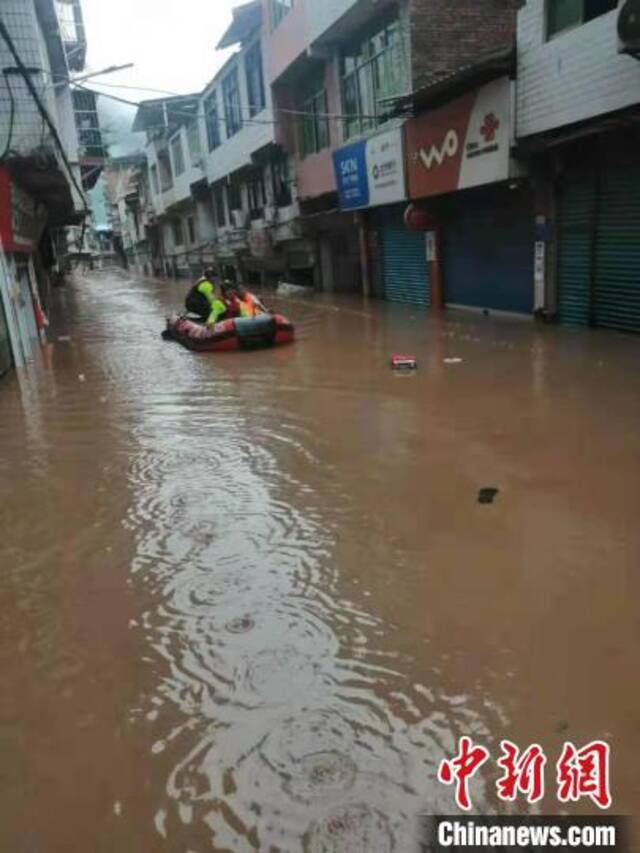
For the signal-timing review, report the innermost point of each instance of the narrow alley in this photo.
(251, 601)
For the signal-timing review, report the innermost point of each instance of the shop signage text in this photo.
(464, 144)
(21, 219)
(371, 172)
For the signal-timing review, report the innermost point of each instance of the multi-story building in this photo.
(578, 119)
(342, 74)
(220, 185)
(128, 211)
(41, 168)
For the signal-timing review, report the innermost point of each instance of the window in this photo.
(563, 15)
(218, 200)
(212, 121)
(281, 180)
(314, 125)
(279, 10)
(178, 235)
(257, 194)
(164, 170)
(255, 79)
(191, 227)
(232, 104)
(193, 139)
(155, 186)
(234, 195)
(178, 155)
(373, 69)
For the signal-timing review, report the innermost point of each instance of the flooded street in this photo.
(250, 601)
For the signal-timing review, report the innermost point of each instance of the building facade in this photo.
(43, 175)
(355, 72)
(578, 111)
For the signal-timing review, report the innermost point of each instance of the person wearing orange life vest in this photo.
(250, 305)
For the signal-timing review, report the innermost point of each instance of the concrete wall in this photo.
(574, 76)
(288, 41)
(323, 15)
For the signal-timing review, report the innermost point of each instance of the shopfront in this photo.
(371, 177)
(460, 170)
(22, 222)
(599, 233)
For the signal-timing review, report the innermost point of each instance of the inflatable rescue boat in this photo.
(267, 330)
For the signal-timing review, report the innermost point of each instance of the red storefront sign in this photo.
(464, 144)
(22, 220)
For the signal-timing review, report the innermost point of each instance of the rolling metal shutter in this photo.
(405, 273)
(616, 297)
(488, 249)
(599, 248)
(577, 216)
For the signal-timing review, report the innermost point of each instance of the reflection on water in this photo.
(251, 601)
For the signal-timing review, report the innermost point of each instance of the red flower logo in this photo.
(490, 127)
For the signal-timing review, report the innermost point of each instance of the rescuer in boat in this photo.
(205, 301)
(250, 305)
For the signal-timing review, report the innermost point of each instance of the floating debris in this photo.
(404, 362)
(488, 495)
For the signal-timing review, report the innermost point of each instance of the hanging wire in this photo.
(249, 109)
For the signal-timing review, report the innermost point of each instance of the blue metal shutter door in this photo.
(575, 245)
(406, 278)
(488, 250)
(617, 273)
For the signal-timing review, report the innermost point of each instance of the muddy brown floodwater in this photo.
(250, 601)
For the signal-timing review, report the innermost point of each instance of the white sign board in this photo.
(385, 166)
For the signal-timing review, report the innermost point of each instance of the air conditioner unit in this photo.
(629, 28)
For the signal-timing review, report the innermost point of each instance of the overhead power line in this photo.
(250, 109)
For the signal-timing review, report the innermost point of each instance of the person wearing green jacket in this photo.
(204, 300)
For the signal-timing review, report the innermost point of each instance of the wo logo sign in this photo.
(437, 155)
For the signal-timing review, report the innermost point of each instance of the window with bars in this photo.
(279, 10)
(255, 79)
(155, 184)
(232, 103)
(314, 125)
(373, 69)
(178, 233)
(193, 140)
(164, 170)
(257, 194)
(177, 154)
(218, 200)
(234, 195)
(281, 180)
(212, 121)
(563, 15)
(191, 227)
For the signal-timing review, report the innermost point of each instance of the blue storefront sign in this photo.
(371, 172)
(350, 164)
